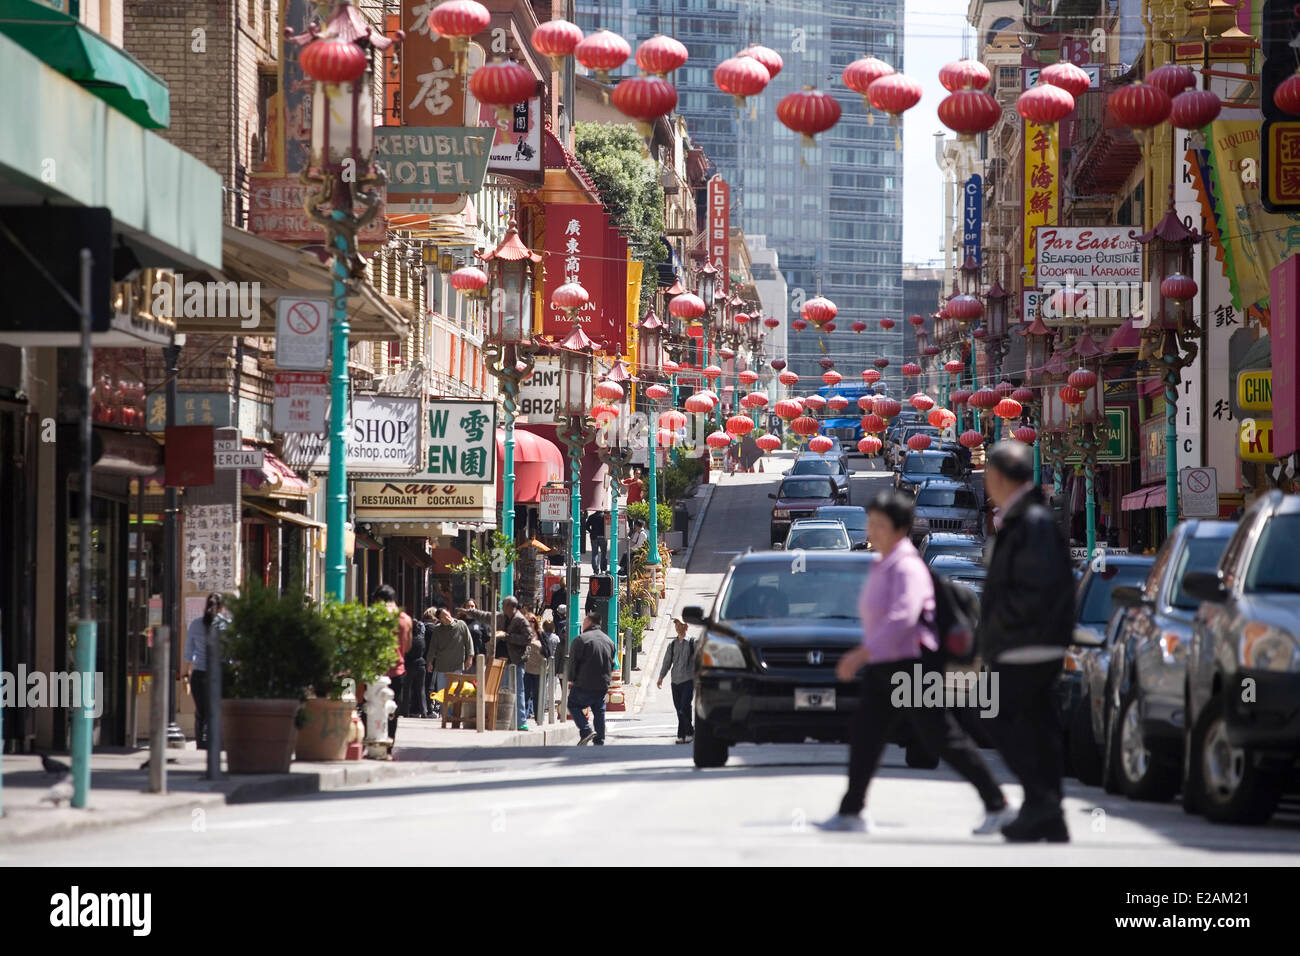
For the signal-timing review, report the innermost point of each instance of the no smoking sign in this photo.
(302, 338)
(1199, 492)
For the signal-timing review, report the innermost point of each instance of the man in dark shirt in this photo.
(591, 669)
(594, 525)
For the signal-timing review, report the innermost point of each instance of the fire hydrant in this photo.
(380, 704)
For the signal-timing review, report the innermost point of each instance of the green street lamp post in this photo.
(575, 431)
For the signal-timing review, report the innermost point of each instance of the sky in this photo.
(932, 37)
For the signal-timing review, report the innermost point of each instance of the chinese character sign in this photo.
(719, 197)
(580, 246)
(1042, 189)
(461, 438)
(209, 558)
(432, 94)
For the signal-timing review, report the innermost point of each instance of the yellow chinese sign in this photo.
(1255, 391)
(1256, 440)
(1042, 190)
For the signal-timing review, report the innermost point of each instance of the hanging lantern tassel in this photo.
(871, 116)
(753, 110)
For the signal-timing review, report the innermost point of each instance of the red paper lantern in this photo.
(871, 422)
(869, 445)
(603, 413)
(770, 59)
(665, 437)
(1069, 302)
(644, 98)
(741, 77)
(867, 402)
(980, 333)
(699, 404)
(777, 364)
(965, 308)
(870, 376)
(1008, 408)
(886, 324)
(894, 94)
(727, 354)
(1073, 79)
(931, 350)
(738, 425)
(656, 392)
(788, 408)
(1004, 388)
(608, 391)
(670, 366)
(821, 444)
(954, 367)
(818, 310)
(1025, 434)
(771, 323)
(570, 297)
(661, 55)
(467, 279)
(881, 363)
(1071, 395)
(1139, 106)
(741, 318)
(862, 72)
(910, 369)
(971, 438)
(1287, 95)
(748, 376)
(1194, 109)
(687, 306)
(808, 113)
(888, 407)
(832, 377)
(968, 112)
(1179, 287)
(757, 399)
(718, 439)
(828, 327)
(1171, 79)
(1023, 395)
(333, 61)
(964, 75)
(837, 403)
(921, 402)
(712, 372)
(767, 442)
(1082, 379)
(601, 52)
(1045, 104)
(858, 327)
(983, 398)
(502, 83)
(959, 396)
(941, 418)
(919, 442)
(805, 426)
(798, 325)
(672, 419)
(917, 320)
(815, 402)
(787, 378)
(556, 39)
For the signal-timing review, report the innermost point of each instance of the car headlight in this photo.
(920, 522)
(721, 652)
(1267, 648)
(1172, 648)
(781, 513)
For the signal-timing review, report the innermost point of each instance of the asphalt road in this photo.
(640, 800)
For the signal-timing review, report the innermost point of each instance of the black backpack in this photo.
(956, 613)
(419, 645)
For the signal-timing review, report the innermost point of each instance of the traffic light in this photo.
(601, 586)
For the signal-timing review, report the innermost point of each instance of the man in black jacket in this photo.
(590, 672)
(594, 525)
(1026, 620)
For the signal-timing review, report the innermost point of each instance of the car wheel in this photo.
(1193, 785)
(1232, 789)
(709, 750)
(920, 758)
(1085, 755)
(1110, 775)
(1142, 775)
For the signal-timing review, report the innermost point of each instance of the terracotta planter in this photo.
(258, 735)
(324, 733)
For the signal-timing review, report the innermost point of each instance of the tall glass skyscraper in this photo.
(835, 222)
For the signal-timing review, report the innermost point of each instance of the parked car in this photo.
(1093, 608)
(961, 569)
(834, 463)
(947, 542)
(817, 534)
(1242, 701)
(907, 431)
(765, 668)
(917, 466)
(854, 519)
(1143, 726)
(943, 504)
(799, 497)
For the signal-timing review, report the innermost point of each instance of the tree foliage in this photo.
(628, 181)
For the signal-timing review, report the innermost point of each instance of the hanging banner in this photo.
(973, 218)
(719, 198)
(1042, 191)
(580, 246)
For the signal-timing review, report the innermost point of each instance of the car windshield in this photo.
(933, 465)
(1096, 607)
(818, 539)
(823, 589)
(807, 488)
(1201, 554)
(934, 550)
(815, 466)
(1273, 566)
(946, 498)
(855, 520)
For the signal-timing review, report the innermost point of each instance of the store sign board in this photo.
(1091, 254)
(438, 160)
(209, 547)
(461, 438)
(415, 499)
(539, 393)
(719, 218)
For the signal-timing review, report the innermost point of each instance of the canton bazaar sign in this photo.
(581, 245)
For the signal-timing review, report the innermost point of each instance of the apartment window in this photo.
(267, 84)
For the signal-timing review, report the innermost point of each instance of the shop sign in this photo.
(415, 499)
(431, 159)
(1152, 454)
(1255, 391)
(209, 547)
(193, 408)
(539, 393)
(461, 438)
(1256, 440)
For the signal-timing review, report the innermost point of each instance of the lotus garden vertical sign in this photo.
(461, 438)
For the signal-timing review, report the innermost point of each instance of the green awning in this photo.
(85, 57)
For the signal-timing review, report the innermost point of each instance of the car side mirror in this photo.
(1205, 586)
(693, 614)
(860, 547)
(1129, 596)
(1087, 637)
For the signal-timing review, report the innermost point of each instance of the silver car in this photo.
(817, 534)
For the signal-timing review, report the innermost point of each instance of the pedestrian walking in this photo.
(479, 624)
(590, 672)
(518, 635)
(594, 525)
(384, 594)
(1026, 622)
(679, 662)
(897, 609)
(450, 650)
(534, 659)
(195, 672)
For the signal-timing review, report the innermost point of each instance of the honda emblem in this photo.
(814, 657)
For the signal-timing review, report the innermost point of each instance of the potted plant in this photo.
(361, 646)
(279, 648)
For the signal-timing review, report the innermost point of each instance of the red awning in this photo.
(1152, 496)
(1124, 337)
(274, 480)
(537, 462)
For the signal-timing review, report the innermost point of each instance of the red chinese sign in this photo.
(1280, 165)
(1284, 304)
(276, 211)
(581, 246)
(719, 198)
(1042, 190)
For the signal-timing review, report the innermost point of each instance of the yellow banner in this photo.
(1254, 242)
(634, 269)
(1042, 190)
